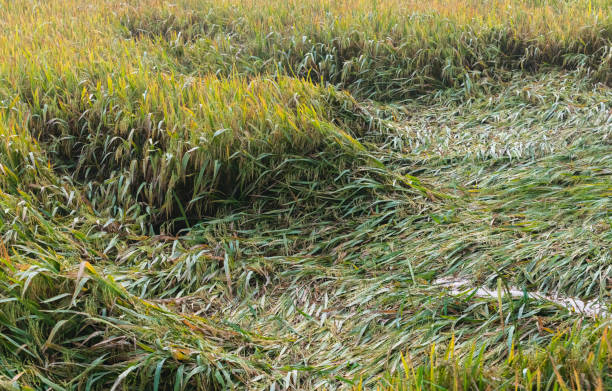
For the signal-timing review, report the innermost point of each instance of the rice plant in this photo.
(301, 195)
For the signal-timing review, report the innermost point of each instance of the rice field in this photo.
(306, 195)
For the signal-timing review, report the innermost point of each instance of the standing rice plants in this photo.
(387, 51)
(215, 142)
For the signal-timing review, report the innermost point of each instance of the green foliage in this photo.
(275, 195)
(389, 52)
